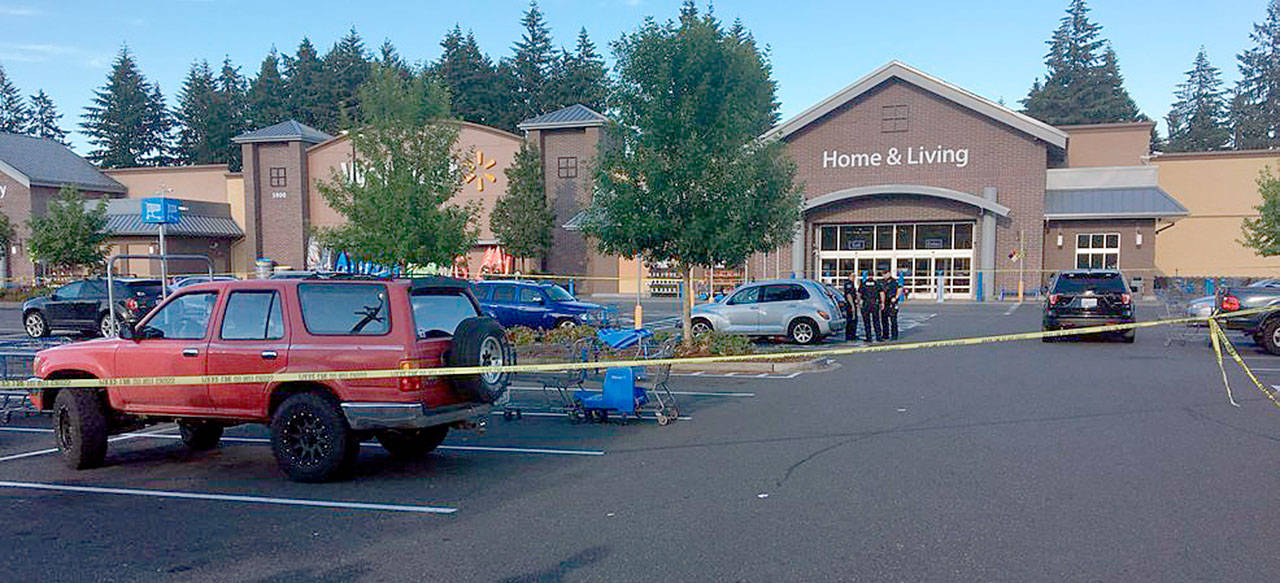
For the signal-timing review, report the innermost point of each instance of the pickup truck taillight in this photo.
(1230, 303)
(1053, 299)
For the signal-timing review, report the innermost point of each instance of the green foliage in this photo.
(268, 94)
(688, 180)
(714, 343)
(6, 229)
(15, 116)
(568, 334)
(127, 123)
(195, 113)
(1084, 84)
(347, 66)
(396, 204)
(44, 119)
(70, 234)
(532, 66)
(522, 335)
(1262, 233)
(1255, 109)
(309, 96)
(522, 220)
(390, 58)
(1197, 121)
(579, 76)
(473, 81)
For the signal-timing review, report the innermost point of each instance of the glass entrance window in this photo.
(933, 236)
(857, 238)
(906, 236)
(884, 237)
(830, 238)
(963, 236)
(913, 251)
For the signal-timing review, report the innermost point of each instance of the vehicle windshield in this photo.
(437, 314)
(558, 294)
(1074, 283)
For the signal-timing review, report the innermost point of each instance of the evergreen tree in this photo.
(1255, 113)
(532, 65)
(231, 115)
(522, 220)
(472, 81)
(1084, 84)
(195, 116)
(581, 76)
(44, 119)
(14, 114)
(310, 101)
(268, 94)
(689, 180)
(1197, 119)
(127, 122)
(389, 58)
(347, 65)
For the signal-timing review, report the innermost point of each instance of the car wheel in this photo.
(199, 435)
(803, 331)
(80, 428)
(35, 324)
(481, 342)
(566, 323)
(311, 439)
(108, 326)
(1129, 336)
(699, 327)
(413, 443)
(1271, 336)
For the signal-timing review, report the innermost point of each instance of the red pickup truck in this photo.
(286, 326)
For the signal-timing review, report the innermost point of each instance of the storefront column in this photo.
(797, 251)
(987, 250)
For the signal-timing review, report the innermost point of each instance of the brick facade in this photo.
(277, 218)
(569, 192)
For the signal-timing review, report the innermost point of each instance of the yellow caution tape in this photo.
(601, 364)
(1220, 336)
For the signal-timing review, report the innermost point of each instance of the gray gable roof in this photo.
(574, 116)
(285, 131)
(44, 162)
(201, 219)
(1144, 202)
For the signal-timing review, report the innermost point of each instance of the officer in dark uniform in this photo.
(889, 309)
(869, 301)
(850, 310)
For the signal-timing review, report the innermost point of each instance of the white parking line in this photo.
(679, 393)
(1012, 309)
(18, 456)
(229, 498)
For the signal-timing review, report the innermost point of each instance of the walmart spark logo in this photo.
(478, 172)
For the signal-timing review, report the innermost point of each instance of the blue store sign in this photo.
(161, 210)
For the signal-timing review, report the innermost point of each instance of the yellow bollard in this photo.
(639, 316)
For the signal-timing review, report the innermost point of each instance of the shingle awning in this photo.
(189, 226)
(1143, 202)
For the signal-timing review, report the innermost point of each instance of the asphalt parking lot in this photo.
(1085, 460)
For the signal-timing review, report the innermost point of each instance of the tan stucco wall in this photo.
(206, 183)
(1219, 190)
(1108, 144)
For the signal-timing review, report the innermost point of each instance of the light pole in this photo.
(638, 313)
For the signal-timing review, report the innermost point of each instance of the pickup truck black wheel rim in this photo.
(64, 430)
(305, 439)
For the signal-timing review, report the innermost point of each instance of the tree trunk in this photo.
(686, 306)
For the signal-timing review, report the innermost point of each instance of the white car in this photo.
(800, 309)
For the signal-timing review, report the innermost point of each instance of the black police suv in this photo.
(82, 306)
(1078, 299)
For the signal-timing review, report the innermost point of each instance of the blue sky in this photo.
(992, 47)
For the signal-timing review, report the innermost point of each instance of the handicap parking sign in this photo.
(161, 210)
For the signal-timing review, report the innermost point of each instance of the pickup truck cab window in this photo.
(185, 317)
(253, 315)
(345, 309)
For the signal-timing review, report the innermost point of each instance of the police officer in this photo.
(869, 301)
(850, 310)
(889, 309)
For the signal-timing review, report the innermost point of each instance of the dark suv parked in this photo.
(82, 306)
(1079, 299)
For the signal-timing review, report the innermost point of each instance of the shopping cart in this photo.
(559, 387)
(624, 395)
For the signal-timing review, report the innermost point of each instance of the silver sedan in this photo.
(800, 309)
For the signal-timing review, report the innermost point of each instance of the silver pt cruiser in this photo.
(801, 309)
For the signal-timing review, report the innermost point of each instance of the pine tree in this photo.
(127, 122)
(14, 114)
(195, 116)
(472, 80)
(1083, 84)
(347, 65)
(521, 219)
(231, 114)
(581, 76)
(1255, 113)
(268, 94)
(309, 97)
(44, 119)
(389, 58)
(532, 64)
(1197, 119)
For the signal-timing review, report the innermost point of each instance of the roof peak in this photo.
(290, 130)
(572, 116)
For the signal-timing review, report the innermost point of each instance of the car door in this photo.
(252, 337)
(778, 303)
(503, 304)
(534, 311)
(61, 307)
(173, 341)
(742, 310)
(92, 302)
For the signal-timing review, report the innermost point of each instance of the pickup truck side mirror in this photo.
(127, 332)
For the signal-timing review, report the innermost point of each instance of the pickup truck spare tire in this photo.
(311, 439)
(80, 428)
(480, 342)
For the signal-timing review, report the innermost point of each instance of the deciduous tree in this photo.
(397, 205)
(522, 220)
(71, 233)
(689, 179)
